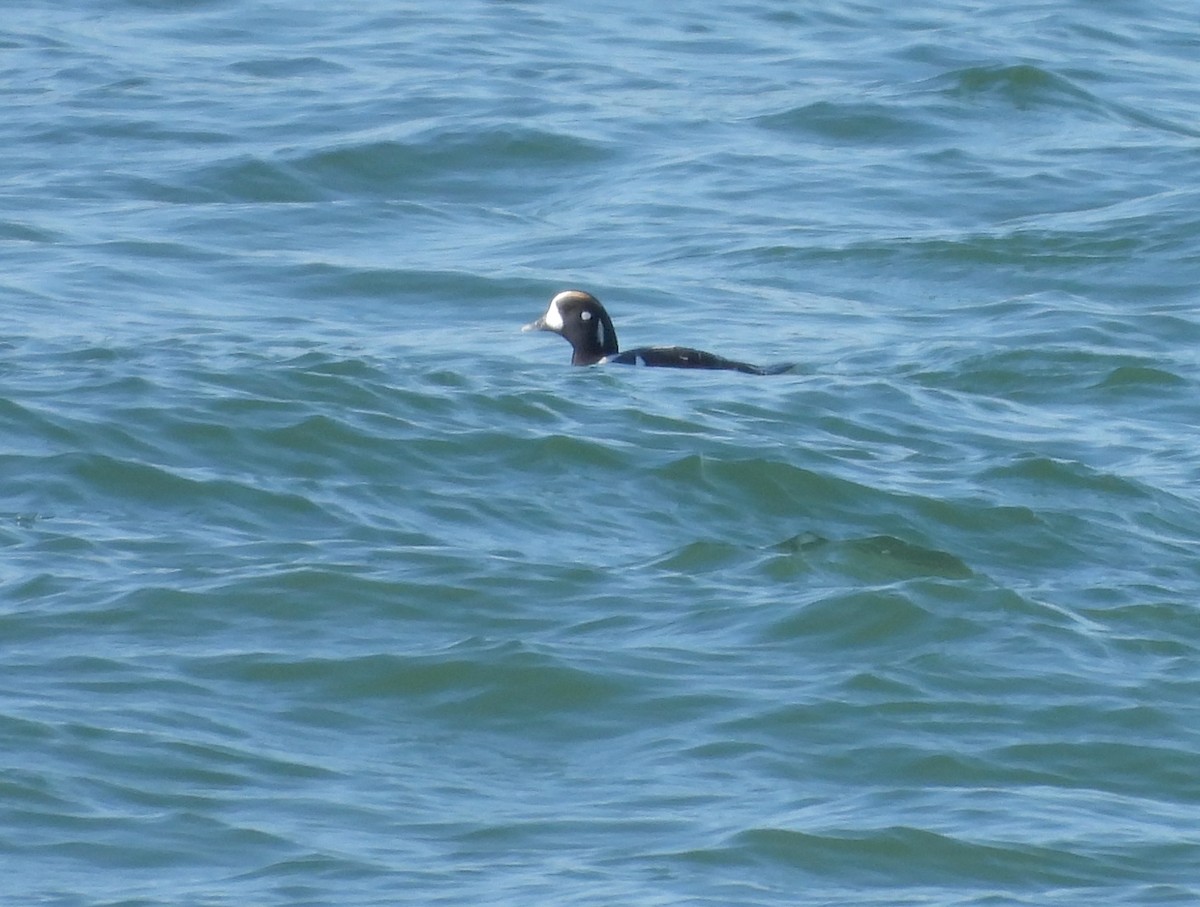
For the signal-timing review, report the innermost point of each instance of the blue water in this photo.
(320, 583)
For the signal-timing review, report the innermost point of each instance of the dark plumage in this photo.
(581, 319)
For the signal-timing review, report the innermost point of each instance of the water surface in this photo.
(321, 583)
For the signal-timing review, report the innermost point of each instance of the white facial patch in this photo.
(553, 318)
(585, 315)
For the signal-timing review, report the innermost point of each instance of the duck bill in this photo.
(539, 325)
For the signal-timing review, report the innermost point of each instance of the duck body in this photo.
(582, 321)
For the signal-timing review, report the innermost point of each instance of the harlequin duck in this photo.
(581, 319)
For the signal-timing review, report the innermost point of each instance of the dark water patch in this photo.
(879, 556)
(192, 769)
(196, 9)
(156, 250)
(762, 486)
(848, 17)
(1138, 378)
(1052, 319)
(563, 455)
(294, 600)
(17, 231)
(1157, 623)
(702, 557)
(321, 444)
(1023, 86)
(161, 608)
(1024, 259)
(1131, 768)
(864, 619)
(287, 67)
(845, 122)
(422, 287)
(446, 161)
(291, 385)
(1025, 249)
(308, 876)
(905, 856)
(1033, 472)
(245, 179)
(488, 685)
(29, 796)
(37, 426)
(1171, 126)
(92, 673)
(132, 132)
(98, 483)
(1033, 89)
(1049, 370)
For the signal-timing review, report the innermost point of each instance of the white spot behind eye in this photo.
(585, 315)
